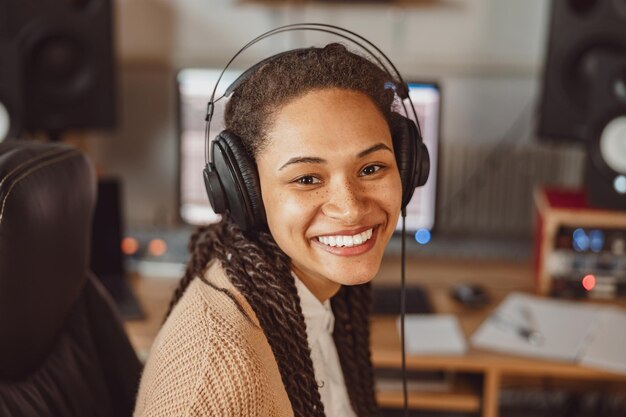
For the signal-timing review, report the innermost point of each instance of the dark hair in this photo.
(253, 104)
(255, 264)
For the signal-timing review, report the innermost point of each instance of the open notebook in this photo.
(571, 331)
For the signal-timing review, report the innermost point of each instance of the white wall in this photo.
(422, 37)
(487, 54)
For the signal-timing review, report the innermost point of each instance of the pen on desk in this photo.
(534, 336)
(528, 331)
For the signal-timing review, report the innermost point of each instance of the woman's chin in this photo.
(359, 281)
(352, 276)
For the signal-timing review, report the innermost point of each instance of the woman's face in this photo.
(331, 187)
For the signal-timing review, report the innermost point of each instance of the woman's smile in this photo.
(346, 244)
(347, 238)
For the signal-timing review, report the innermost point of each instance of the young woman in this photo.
(274, 322)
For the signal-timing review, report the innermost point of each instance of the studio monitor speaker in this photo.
(66, 62)
(584, 90)
(585, 73)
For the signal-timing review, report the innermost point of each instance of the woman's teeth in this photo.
(347, 241)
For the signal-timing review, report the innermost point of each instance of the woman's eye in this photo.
(307, 180)
(371, 169)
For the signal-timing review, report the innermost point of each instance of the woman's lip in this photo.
(348, 232)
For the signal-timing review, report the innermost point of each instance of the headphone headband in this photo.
(363, 43)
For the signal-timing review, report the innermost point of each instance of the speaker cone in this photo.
(613, 145)
(59, 64)
(605, 174)
(5, 122)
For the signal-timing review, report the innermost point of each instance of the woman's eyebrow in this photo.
(316, 160)
(374, 148)
(303, 160)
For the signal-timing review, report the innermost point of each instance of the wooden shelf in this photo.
(463, 396)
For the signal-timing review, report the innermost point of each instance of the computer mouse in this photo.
(470, 295)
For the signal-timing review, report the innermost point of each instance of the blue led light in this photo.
(619, 183)
(596, 240)
(422, 236)
(580, 241)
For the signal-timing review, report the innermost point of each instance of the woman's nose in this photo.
(347, 202)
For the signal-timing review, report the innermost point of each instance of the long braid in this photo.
(361, 307)
(351, 307)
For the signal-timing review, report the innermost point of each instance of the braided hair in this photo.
(253, 261)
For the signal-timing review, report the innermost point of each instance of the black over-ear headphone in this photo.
(231, 177)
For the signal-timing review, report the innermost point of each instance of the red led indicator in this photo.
(157, 247)
(130, 246)
(589, 281)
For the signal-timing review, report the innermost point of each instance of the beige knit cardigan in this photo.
(209, 360)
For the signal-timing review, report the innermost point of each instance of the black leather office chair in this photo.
(63, 350)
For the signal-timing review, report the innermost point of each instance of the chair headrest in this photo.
(47, 197)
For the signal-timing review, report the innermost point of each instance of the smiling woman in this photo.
(273, 320)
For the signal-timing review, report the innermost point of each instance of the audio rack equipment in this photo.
(580, 251)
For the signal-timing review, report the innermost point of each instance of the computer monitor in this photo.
(194, 87)
(420, 212)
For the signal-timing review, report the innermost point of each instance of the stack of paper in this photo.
(438, 334)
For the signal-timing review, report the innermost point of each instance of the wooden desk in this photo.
(481, 374)
(154, 295)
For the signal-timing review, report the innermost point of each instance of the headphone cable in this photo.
(405, 394)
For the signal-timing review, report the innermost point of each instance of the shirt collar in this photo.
(318, 316)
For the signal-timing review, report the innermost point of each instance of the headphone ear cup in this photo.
(422, 170)
(214, 189)
(406, 139)
(239, 179)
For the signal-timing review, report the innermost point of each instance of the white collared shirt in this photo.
(320, 322)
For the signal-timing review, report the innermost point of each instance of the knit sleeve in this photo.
(234, 382)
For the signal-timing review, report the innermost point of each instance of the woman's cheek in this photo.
(292, 207)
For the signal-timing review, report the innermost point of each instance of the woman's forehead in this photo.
(332, 120)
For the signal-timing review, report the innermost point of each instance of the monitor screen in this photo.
(194, 90)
